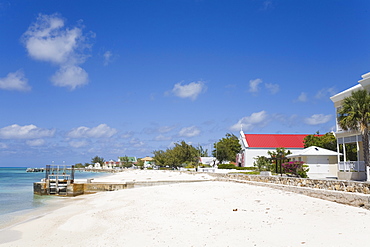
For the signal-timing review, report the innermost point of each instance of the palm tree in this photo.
(355, 115)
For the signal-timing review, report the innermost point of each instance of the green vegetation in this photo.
(355, 115)
(278, 157)
(232, 166)
(140, 163)
(296, 168)
(202, 152)
(182, 155)
(327, 141)
(97, 159)
(125, 161)
(226, 148)
(262, 163)
(79, 165)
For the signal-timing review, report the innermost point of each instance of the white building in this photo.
(254, 145)
(351, 169)
(322, 162)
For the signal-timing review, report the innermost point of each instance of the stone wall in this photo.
(345, 192)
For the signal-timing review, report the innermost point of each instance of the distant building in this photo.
(131, 160)
(148, 162)
(111, 164)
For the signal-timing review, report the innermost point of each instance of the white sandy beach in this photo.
(193, 214)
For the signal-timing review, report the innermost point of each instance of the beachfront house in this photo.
(125, 160)
(148, 162)
(254, 145)
(350, 169)
(111, 164)
(322, 163)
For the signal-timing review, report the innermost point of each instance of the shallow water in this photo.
(16, 193)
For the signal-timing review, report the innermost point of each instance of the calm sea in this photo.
(16, 192)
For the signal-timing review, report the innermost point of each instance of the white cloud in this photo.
(162, 138)
(107, 57)
(318, 119)
(78, 144)
(267, 5)
(253, 85)
(128, 134)
(165, 129)
(189, 131)
(36, 142)
(191, 90)
(249, 122)
(48, 40)
(15, 81)
(326, 93)
(302, 97)
(70, 76)
(99, 131)
(136, 142)
(3, 146)
(24, 132)
(273, 88)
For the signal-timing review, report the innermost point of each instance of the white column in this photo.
(344, 151)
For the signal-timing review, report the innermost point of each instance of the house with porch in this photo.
(350, 169)
(254, 145)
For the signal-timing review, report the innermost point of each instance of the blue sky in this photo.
(116, 78)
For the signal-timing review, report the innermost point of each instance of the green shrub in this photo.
(226, 166)
(251, 168)
(262, 163)
(296, 168)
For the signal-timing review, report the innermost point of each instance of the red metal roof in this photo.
(275, 140)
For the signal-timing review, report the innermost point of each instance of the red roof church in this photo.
(275, 140)
(254, 145)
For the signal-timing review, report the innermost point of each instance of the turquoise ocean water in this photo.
(16, 192)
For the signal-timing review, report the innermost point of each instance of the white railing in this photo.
(352, 166)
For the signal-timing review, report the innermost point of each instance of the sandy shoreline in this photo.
(194, 214)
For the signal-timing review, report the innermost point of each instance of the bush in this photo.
(296, 168)
(246, 168)
(262, 163)
(227, 166)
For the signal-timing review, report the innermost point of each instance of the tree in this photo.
(262, 163)
(182, 154)
(140, 163)
(327, 141)
(355, 115)
(160, 157)
(98, 159)
(278, 157)
(202, 152)
(226, 148)
(79, 165)
(126, 161)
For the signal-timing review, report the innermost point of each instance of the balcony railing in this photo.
(352, 166)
